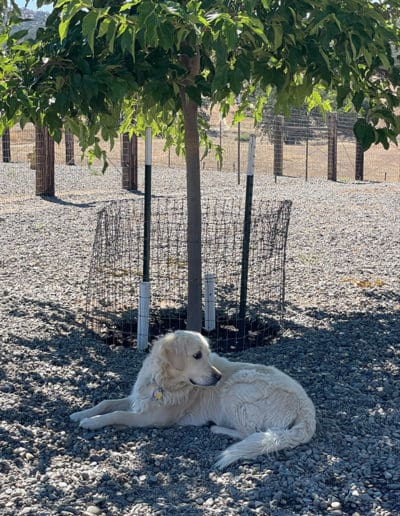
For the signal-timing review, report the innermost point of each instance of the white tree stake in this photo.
(251, 155)
(143, 316)
(209, 295)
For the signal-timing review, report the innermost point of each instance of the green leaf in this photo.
(230, 32)
(103, 27)
(166, 35)
(358, 99)
(128, 5)
(278, 35)
(111, 32)
(89, 26)
(19, 34)
(364, 133)
(66, 17)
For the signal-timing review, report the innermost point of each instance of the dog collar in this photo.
(158, 394)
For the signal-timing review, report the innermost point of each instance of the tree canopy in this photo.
(96, 59)
(103, 66)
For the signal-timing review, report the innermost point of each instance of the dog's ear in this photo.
(173, 352)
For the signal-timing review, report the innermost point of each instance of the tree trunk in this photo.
(192, 145)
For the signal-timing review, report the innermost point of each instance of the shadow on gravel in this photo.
(348, 363)
(58, 200)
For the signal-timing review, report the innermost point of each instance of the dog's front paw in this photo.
(78, 416)
(91, 423)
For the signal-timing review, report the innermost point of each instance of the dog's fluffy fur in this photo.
(182, 383)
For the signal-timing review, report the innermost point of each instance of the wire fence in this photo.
(302, 145)
(116, 270)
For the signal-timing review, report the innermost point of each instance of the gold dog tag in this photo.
(158, 394)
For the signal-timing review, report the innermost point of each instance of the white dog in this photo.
(182, 383)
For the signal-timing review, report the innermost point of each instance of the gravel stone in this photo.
(341, 342)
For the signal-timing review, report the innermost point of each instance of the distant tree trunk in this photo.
(129, 162)
(6, 146)
(192, 149)
(44, 163)
(69, 148)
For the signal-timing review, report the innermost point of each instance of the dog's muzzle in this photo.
(209, 380)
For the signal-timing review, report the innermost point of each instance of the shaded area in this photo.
(348, 363)
(228, 335)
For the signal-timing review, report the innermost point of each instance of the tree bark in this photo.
(192, 144)
(192, 154)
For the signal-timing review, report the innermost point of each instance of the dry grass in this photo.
(299, 159)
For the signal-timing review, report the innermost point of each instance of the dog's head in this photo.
(186, 357)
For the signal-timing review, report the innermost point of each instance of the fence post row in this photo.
(129, 154)
(278, 145)
(332, 146)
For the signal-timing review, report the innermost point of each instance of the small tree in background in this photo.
(95, 56)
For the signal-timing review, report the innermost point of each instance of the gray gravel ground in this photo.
(341, 343)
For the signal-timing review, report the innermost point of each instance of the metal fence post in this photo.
(147, 205)
(246, 234)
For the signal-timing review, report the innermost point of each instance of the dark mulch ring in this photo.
(229, 334)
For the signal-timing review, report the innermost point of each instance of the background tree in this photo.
(96, 59)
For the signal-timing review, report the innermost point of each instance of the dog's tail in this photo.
(272, 440)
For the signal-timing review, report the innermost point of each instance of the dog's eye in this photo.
(197, 355)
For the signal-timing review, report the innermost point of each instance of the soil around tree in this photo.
(229, 335)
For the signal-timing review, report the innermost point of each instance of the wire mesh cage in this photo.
(117, 263)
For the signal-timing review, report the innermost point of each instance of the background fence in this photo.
(302, 145)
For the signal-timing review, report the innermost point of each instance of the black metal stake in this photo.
(147, 207)
(246, 236)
